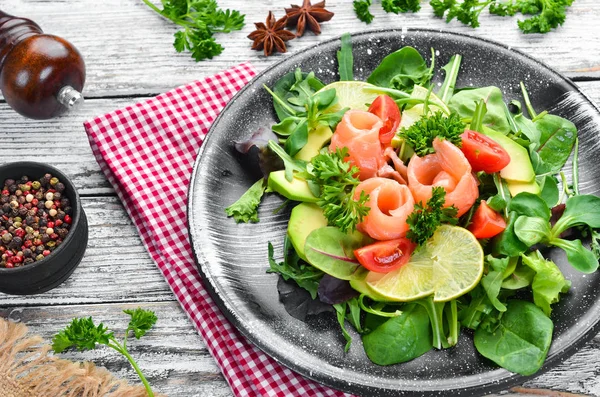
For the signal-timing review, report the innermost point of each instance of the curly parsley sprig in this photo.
(425, 219)
(334, 180)
(421, 134)
(82, 334)
(200, 20)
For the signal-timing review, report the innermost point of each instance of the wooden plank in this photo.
(176, 362)
(128, 48)
(115, 267)
(171, 355)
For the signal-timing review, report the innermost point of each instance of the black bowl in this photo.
(50, 272)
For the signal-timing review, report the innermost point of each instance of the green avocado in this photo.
(515, 187)
(296, 190)
(305, 218)
(317, 138)
(519, 169)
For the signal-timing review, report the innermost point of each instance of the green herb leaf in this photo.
(447, 89)
(492, 281)
(401, 70)
(337, 181)
(361, 9)
(200, 19)
(141, 321)
(421, 134)
(398, 6)
(465, 101)
(424, 220)
(82, 334)
(245, 209)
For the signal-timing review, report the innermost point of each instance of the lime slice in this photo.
(449, 265)
(352, 94)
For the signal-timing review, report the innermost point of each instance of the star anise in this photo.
(309, 15)
(271, 36)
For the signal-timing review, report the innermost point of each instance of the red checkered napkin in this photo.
(147, 152)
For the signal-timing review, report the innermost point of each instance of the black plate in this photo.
(233, 258)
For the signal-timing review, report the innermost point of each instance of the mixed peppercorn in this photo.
(35, 218)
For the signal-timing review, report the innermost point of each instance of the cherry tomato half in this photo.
(483, 153)
(385, 256)
(486, 222)
(386, 109)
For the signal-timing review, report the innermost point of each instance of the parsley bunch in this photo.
(421, 134)
(200, 20)
(425, 219)
(361, 7)
(83, 334)
(546, 14)
(334, 181)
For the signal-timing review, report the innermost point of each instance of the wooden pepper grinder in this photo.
(41, 75)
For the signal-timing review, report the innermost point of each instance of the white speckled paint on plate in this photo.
(233, 258)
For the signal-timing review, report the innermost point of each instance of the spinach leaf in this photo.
(476, 309)
(401, 70)
(521, 341)
(298, 137)
(548, 281)
(332, 251)
(399, 339)
(492, 281)
(464, 103)
(345, 59)
(557, 137)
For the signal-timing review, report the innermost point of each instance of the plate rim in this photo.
(507, 378)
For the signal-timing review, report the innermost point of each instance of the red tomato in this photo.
(386, 109)
(385, 256)
(483, 153)
(486, 222)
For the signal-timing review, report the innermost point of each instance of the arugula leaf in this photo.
(421, 134)
(200, 20)
(337, 181)
(447, 89)
(361, 9)
(345, 59)
(245, 209)
(294, 268)
(83, 334)
(425, 219)
(349, 310)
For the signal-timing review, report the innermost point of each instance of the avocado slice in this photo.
(516, 187)
(305, 218)
(296, 190)
(317, 138)
(519, 169)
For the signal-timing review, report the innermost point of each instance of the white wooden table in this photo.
(129, 56)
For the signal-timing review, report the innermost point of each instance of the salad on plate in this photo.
(424, 210)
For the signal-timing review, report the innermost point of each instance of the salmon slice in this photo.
(391, 203)
(447, 167)
(359, 132)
